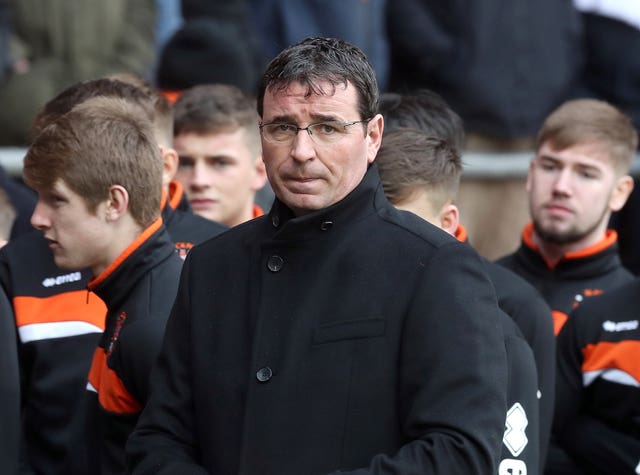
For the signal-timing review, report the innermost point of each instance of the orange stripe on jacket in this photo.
(112, 394)
(559, 319)
(623, 355)
(78, 306)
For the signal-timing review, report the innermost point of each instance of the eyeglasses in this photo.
(330, 131)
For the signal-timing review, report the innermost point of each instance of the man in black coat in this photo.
(335, 334)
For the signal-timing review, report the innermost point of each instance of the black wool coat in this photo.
(355, 339)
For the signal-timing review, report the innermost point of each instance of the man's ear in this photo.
(118, 202)
(449, 218)
(260, 174)
(621, 192)
(170, 162)
(374, 136)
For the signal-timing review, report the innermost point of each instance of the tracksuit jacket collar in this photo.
(593, 261)
(115, 282)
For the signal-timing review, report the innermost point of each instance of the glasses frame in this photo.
(308, 129)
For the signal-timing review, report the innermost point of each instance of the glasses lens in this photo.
(327, 132)
(278, 133)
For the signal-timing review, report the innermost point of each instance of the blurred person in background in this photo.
(56, 43)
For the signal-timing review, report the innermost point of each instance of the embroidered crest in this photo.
(183, 248)
(116, 333)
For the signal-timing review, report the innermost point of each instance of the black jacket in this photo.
(576, 277)
(9, 389)
(139, 292)
(521, 440)
(526, 307)
(597, 418)
(58, 322)
(354, 336)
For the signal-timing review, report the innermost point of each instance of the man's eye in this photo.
(326, 128)
(548, 165)
(54, 200)
(220, 163)
(185, 162)
(285, 128)
(588, 174)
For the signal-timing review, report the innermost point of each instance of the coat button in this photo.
(275, 220)
(264, 374)
(326, 225)
(275, 263)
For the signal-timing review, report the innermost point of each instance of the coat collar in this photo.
(360, 202)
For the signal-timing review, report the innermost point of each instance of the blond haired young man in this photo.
(98, 175)
(578, 177)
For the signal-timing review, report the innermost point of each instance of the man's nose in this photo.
(563, 182)
(40, 218)
(303, 146)
(201, 176)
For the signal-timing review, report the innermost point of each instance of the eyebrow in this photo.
(581, 165)
(288, 119)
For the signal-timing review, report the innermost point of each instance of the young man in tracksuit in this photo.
(422, 176)
(221, 166)
(59, 321)
(98, 175)
(578, 177)
(597, 422)
(420, 173)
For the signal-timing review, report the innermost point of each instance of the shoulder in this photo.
(410, 227)
(510, 285)
(620, 301)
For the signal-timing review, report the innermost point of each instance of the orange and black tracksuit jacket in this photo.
(185, 228)
(139, 288)
(58, 323)
(529, 311)
(597, 416)
(577, 276)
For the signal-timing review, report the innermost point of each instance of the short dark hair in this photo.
(424, 110)
(591, 121)
(127, 87)
(215, 108)
(411, 159)
(318, 60)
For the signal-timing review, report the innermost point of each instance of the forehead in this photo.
(232, 142)
(584, 154)
(297, 101)
(60, 186)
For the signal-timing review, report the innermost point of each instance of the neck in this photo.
(123, 234)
